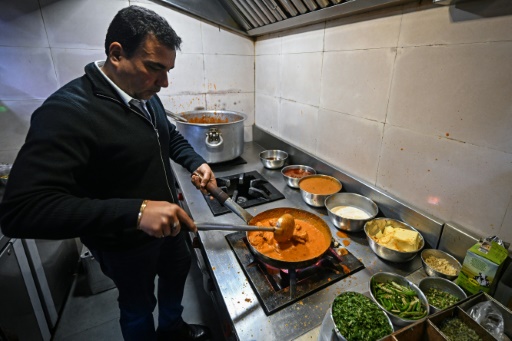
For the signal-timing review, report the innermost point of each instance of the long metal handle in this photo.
(231, 227)
(224, 199)
(174, 116)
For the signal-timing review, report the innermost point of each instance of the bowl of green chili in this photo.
(402, 300)
(357, 318)
(441, 293)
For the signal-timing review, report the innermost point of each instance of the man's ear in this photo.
(115, 52)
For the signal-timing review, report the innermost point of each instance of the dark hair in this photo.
(131, 26)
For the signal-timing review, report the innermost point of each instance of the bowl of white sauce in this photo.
(350, 211)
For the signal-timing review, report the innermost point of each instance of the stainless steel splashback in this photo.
(259, 17)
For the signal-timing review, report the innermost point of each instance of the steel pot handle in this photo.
(214, 138)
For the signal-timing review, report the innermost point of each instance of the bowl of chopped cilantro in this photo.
(357, 318)
(402, 300)
(440, 293)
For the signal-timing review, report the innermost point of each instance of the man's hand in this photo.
(201, 176)
(161, 219)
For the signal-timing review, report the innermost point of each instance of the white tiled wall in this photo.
(45, 44)
(415, 100)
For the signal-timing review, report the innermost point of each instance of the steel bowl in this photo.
(373, 226)
(441, 284)
(388, 276)
(293, 173)
(273, 159)
(338, 334)
(443, 255)
(347, 223)
(317, 198)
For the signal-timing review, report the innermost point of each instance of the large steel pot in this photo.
(216, 135)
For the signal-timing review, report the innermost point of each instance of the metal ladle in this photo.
(283, 230)
(175, 117)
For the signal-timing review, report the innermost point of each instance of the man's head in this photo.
(133, 24)
(141, 48)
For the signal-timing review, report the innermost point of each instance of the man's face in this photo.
(145, 72)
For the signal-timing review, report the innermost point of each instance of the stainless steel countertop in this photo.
(247, 316)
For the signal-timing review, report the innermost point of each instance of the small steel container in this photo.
(387, 277)
(317, 199)
(273, 159)
(373, 226)
(354, 200)
(443, 255)
(441, 284)
(293, 181)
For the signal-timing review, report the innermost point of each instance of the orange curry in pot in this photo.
(306, 243)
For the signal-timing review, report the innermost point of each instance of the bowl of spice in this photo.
(440, 293)
(293, 173)
(455, 328)
(356, 317)
(273, 159)
(314, 189)
(402, 300)
(350, 211)
(437, 263)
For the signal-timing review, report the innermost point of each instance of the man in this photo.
(96, 166)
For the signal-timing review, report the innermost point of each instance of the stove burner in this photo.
(278, 288)
(246, 189)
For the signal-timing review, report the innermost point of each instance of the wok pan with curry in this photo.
(310, 240)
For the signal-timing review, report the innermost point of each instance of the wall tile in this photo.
(186, 27)
(300, 77)
(267, 113)
(304, 39)
(471, 22)
(350, 143)
(357, 82)
(369, 30)
(70, 63)
(239, 102)
(181, 103)
(77, 23)
(267, 74)
(21, 24)
(228, 73)
(26, 73)
(451, 180)
(269, 44)
(219, 41)
(187, 77)
(458, 91)
(505, 231)
(17, 118)
(298, 124)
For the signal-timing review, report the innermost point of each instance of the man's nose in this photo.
(162, 81)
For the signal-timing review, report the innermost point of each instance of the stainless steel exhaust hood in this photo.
(259, 17)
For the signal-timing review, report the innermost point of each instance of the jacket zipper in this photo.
(157, 140)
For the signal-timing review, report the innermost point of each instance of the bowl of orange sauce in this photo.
(316, 188)
(293, 173)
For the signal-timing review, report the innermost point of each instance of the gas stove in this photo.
(278, 288)
(246, 189)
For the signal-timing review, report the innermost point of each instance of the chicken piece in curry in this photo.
(306, 242)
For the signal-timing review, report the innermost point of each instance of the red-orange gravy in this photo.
(297, 173)
(307, 242)
(208, 119)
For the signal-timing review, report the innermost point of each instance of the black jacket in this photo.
(87, 163)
